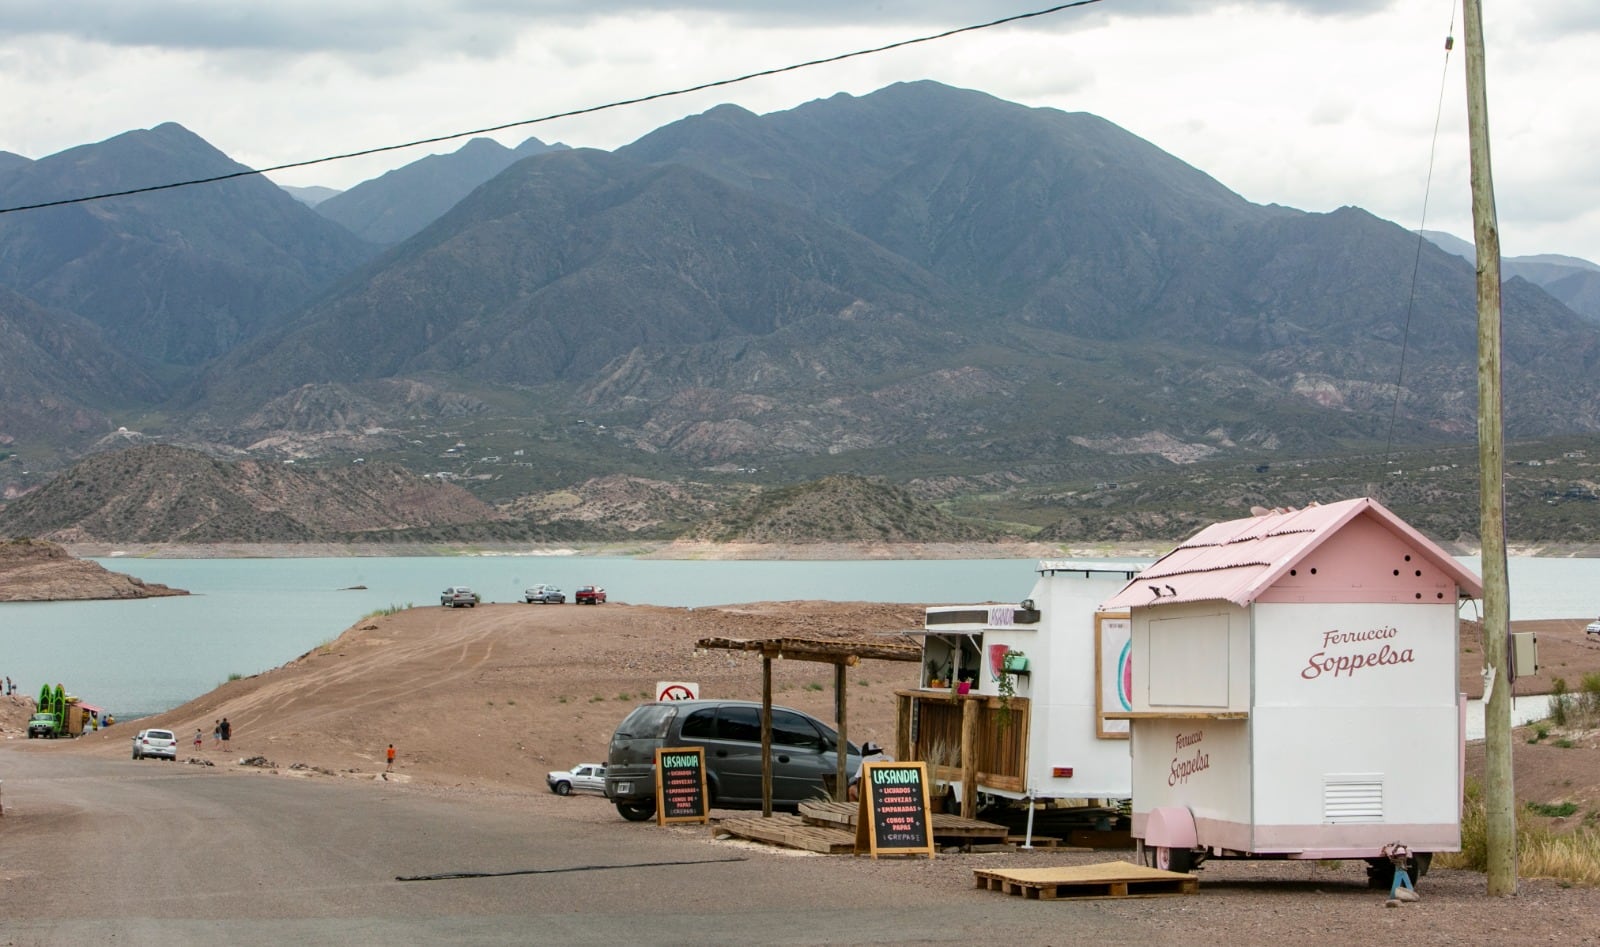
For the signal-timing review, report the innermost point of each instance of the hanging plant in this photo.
(1007, 685)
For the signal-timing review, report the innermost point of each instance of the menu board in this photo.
(893, 819)
(681, 785)
(1113, 673)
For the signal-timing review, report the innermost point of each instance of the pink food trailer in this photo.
(1294, 692)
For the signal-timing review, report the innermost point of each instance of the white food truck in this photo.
(1294, 692)
(1013, 699)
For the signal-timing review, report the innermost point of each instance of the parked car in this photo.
(804, 751)
(544, 595)
(590, 776)
(589, 595)
(157, 743)
(1593, 628)
(458, 595)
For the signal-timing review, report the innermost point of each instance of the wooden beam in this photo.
(969, 759)
(766, 737)
(841, 786)
(902, 726)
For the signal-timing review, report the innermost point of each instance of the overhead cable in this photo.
(636, 100)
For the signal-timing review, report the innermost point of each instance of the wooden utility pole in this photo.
(1499, 795)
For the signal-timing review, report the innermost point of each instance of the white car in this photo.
(157, 743)
(1593, 628)
(590, 776)
(544, 595)
(458, 595)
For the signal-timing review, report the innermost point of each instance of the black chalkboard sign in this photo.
(681, 785)
(893, 819)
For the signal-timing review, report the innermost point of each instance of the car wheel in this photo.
(563, 788)
(135, 754)
(636, 811)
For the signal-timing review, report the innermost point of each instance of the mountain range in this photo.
(920, 283)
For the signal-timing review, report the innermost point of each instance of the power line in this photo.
(558, 115)
(1381, 477)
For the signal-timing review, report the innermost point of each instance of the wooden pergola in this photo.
(841, 653)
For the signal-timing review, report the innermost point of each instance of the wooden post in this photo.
(841, 786)
(1499, 793)
(969, 757)
(766, 736)
(903, 707)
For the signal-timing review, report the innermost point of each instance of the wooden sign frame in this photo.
(696, 792)
(1107, 662)
(886, 798)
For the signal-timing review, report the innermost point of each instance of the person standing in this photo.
(199, 739)
(390, 767)
(216, 734)
(227, 732)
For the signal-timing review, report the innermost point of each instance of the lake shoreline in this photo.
(665, 550)
(720, 552)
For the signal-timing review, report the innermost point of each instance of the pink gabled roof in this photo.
(1238, 560)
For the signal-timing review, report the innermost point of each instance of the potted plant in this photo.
(1007, 684)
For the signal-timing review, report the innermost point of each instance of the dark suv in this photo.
(804, 750)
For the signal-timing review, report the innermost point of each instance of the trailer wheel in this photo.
(1174, 859)
(636, 811)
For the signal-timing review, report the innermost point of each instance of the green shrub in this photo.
(1553, 810)
(1559, 702)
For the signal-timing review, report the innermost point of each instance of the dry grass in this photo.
(1572, 857)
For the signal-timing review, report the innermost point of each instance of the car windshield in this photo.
(159, 735)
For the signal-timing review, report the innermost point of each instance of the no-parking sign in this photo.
(677, 690)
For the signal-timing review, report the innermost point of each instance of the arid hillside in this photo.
(169, 494)
(38, 571)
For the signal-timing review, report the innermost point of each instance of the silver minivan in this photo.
(804, 751)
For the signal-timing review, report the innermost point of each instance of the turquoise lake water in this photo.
(251, 615)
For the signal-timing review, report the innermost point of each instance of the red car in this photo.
(589, 595)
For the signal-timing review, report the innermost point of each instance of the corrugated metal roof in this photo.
(1236, 561)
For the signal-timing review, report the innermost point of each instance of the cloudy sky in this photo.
(1310, 103)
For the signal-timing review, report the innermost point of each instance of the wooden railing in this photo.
(970, 738)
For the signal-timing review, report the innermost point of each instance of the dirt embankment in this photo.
(32, 570)
(15, 709)
(502, 694)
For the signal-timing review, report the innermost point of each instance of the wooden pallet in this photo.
(1039, 841)
(1106, 880)
(791, 831)
(842, 815)
(838, 815)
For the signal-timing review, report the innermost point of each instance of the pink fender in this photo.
(1170, 827)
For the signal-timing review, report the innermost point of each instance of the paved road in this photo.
(96, 851)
